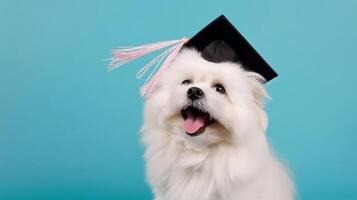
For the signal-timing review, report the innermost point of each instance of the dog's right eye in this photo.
(186, 82)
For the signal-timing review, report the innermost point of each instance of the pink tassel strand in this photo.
(124, 55)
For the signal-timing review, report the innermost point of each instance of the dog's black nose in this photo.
(194, 93)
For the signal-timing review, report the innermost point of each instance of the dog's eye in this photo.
(186, 82)
(219, 88)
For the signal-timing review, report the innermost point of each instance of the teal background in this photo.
(69, 129)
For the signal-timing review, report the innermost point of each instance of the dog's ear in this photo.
(257, 85)
(259, 95)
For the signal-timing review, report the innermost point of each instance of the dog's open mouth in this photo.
(195, 120)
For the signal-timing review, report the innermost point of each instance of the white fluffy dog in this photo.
(204, 129)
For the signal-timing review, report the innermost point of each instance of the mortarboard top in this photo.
(220, 41)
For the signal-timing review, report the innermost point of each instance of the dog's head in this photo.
(203, 103)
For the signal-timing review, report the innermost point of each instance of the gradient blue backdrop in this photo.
(69, 129)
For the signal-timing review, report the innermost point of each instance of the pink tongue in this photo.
(192, 124)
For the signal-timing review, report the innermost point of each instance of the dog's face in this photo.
(202, 103)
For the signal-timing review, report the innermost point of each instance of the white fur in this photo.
(231, 159)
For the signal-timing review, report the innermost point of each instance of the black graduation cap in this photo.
(220, 41)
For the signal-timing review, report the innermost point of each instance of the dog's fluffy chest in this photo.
(224, 173)
(182, 174)
(191, 184)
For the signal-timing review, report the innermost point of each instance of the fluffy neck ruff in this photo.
(183, 172)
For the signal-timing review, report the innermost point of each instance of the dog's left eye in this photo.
(219, 88)
(186, 82)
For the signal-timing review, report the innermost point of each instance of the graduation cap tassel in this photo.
(124, 55)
